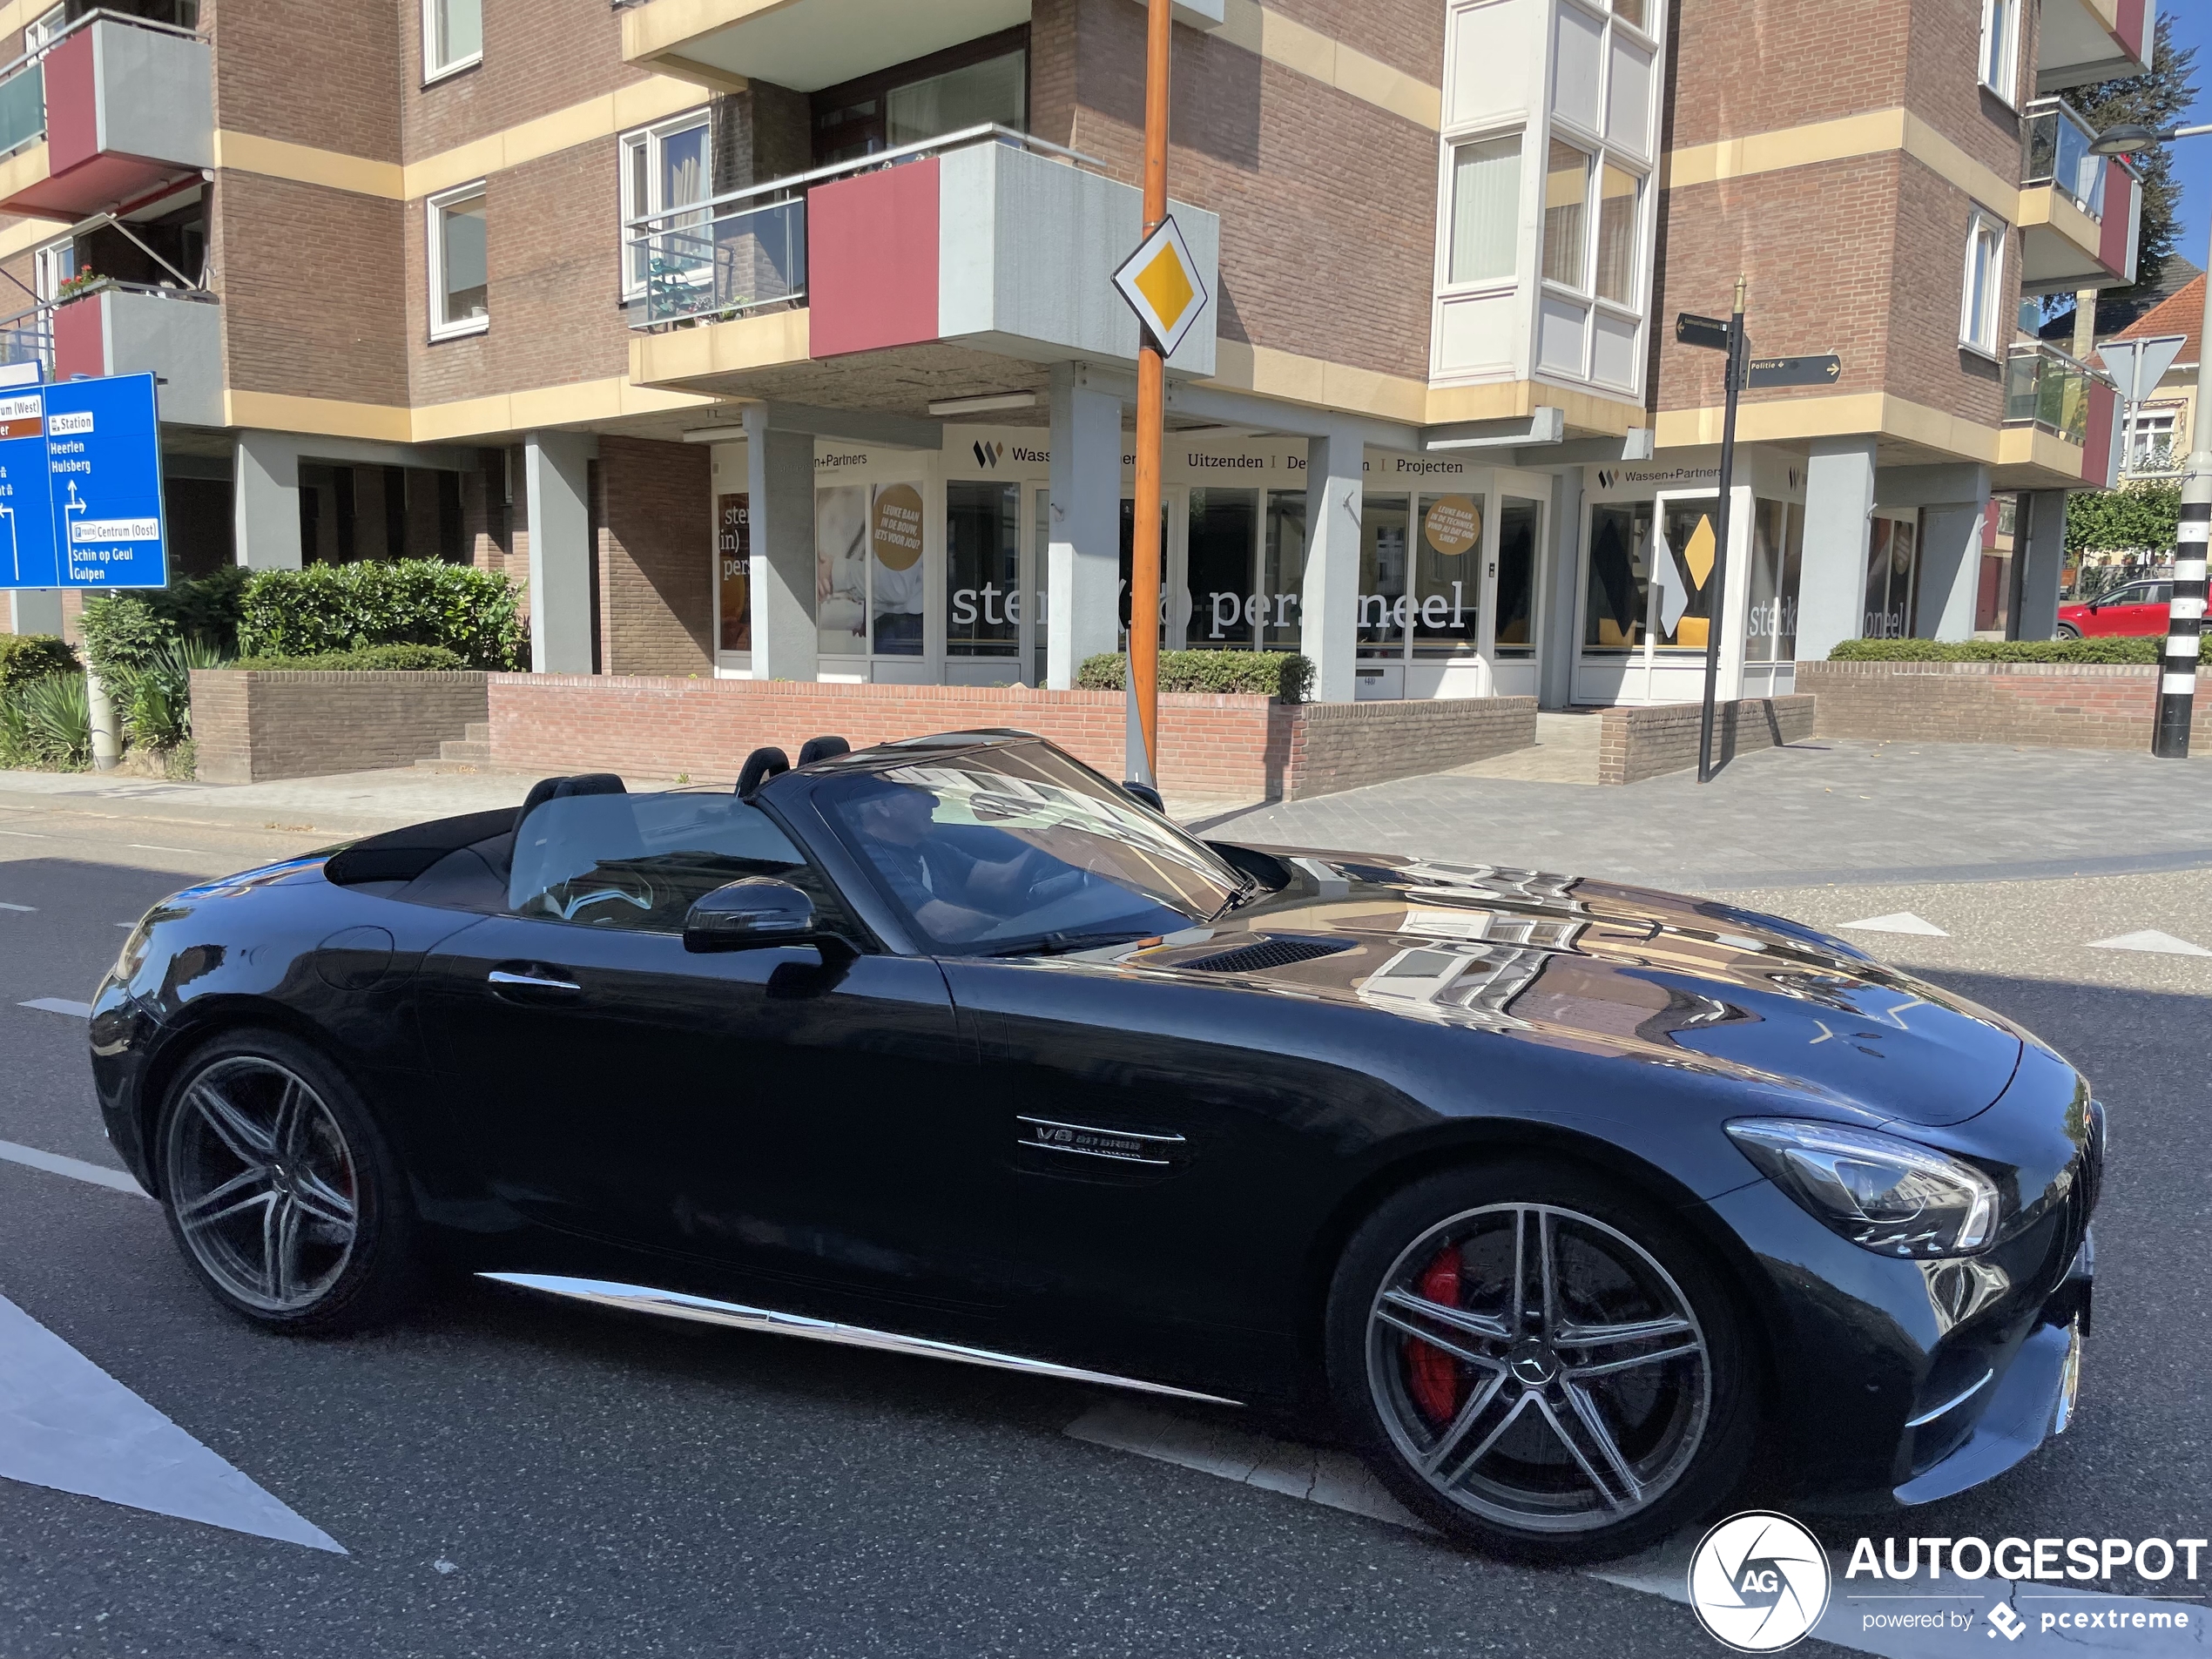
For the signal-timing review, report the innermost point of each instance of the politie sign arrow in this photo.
(1796, 371)
(80, 485)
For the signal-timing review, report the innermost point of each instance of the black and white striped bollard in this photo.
(2185, 622)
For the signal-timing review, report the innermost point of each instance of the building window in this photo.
(983, 569)
(50, 267)
(459, 267)
(978, 83)
(2151, 433)
(453, 36)
(1618, 194)
(1893, 562)
(1777, 557)
(1980, 304)
(664, 168)
(2001, 27)
(1566, 191)
(869, 570)
(1629, 12)
(1485, 211)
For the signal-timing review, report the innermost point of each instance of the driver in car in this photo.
(952, 892)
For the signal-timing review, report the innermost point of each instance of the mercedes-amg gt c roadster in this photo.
(1560, 1198)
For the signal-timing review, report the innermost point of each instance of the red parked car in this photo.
(2136, 608)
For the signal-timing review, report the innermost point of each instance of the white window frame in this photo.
(39, 32)
(2000, 40)
(650, 140)
(433, 265)
(1980, 334)
(1518, 133)
(46, 276)
(433, 71)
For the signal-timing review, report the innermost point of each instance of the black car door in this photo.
(773, 1111)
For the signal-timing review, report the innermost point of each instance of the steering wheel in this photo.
(605, 898)
(1050, 879)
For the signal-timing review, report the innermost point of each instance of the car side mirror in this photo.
(749, 915)
(1146, 794)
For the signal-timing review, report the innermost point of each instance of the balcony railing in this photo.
(2055, 152)
(28, 337)
(744, 250)
(2046, 388)
(23, 83)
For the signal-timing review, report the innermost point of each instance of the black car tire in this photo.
(1685, 1421)
(325, 1160)
(2067, 630)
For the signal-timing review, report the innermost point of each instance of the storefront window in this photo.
(1691, 541)
(1891, 562)
(983, 570)
(1777, 555)
(1383, 608)
(1285, 579)
(1993, 592)
(1218, 557)
(895, 573)
(1448, 586)
(733, 570)
(1519, 523)
(1619, 569)
(869, 570)
(1039, 610)
(841, 570)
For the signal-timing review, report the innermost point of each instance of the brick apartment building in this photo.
(773, 338)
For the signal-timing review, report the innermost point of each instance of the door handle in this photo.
(532, 981)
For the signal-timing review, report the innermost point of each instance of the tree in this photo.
(2158, 100)
(2139, 518)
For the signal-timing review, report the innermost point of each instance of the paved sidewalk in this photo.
(1827, 811)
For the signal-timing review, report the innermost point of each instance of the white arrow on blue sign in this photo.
(80, 485)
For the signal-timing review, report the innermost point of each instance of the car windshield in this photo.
(1017, 849)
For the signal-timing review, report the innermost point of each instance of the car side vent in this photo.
(1268, 952)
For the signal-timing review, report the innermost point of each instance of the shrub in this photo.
(2004, 651)
(406, 601)
(153, 697)
(1266, 673)
(128, 630)
(25, 657)
(416, 658)
(46, 722)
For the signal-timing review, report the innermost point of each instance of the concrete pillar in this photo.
(1950, 565)
(265, 502)
(1831, 581)
(1561, 572)
(36, 610)
(779, 468)
(555, 476)
(1329, 608)
(1082, 582)
(2039, 550)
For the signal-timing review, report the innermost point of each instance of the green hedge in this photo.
(416, 658)
(2004, 651)
(25, 657)
(1265, 673)
(131, 629)
(406, 601)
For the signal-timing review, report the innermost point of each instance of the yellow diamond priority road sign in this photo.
(1162, 284)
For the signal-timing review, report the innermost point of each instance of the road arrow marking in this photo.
(59, 1005)
(67, 1425)
(1898, 922)
(26, 909)
(76, 1168)
(2150, 939)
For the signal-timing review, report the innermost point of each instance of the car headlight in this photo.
(1884, 1194)
(133, 956)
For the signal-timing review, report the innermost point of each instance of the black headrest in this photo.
(760, 766)
(823, 749)
(584, 783)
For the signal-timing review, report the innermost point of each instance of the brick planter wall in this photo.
(1240, 747)
(2066, 705)
(249, 726)
(1635, 743)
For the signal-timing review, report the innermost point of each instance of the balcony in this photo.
(803, 44)
(2050, 394)
(2079, 211)
(986, 240)
(2081, 41)
(176, 335)
(108, 109)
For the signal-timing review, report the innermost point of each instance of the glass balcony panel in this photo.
(23, 107)
(2055, 151)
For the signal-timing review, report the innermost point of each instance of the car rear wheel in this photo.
(280, 1190)
(2067, 630)
(1538, 1364)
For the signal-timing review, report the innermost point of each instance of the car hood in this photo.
(1606, 967)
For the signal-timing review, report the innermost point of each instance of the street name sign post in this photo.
(1715, 335)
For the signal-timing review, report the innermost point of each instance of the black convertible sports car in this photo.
(1560, 1195)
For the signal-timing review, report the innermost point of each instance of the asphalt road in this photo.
(511, 1476)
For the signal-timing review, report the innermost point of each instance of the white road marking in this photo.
(28, 835)
(1342, 1481)
(155, 847)
(59, 1005)
(2150, 939)
(126, 924)
(67, 1425)
(1898, 922)
(76, 1168)
(27, 909)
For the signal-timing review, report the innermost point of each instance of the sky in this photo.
(2193, 159)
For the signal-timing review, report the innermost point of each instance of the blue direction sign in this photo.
(80, 485)
(104, 482)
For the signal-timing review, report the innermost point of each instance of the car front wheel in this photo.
(1538, 1364)
(281, 1190)
(2067, 630)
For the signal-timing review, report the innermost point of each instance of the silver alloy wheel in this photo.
(1539, 1368)
(262, 1184)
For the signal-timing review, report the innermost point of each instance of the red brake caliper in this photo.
(1432, 1376)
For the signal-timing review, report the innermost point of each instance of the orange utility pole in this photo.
(1151, 399)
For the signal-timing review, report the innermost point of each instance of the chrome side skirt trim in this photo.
(1927, 1417)
(675, 1305)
